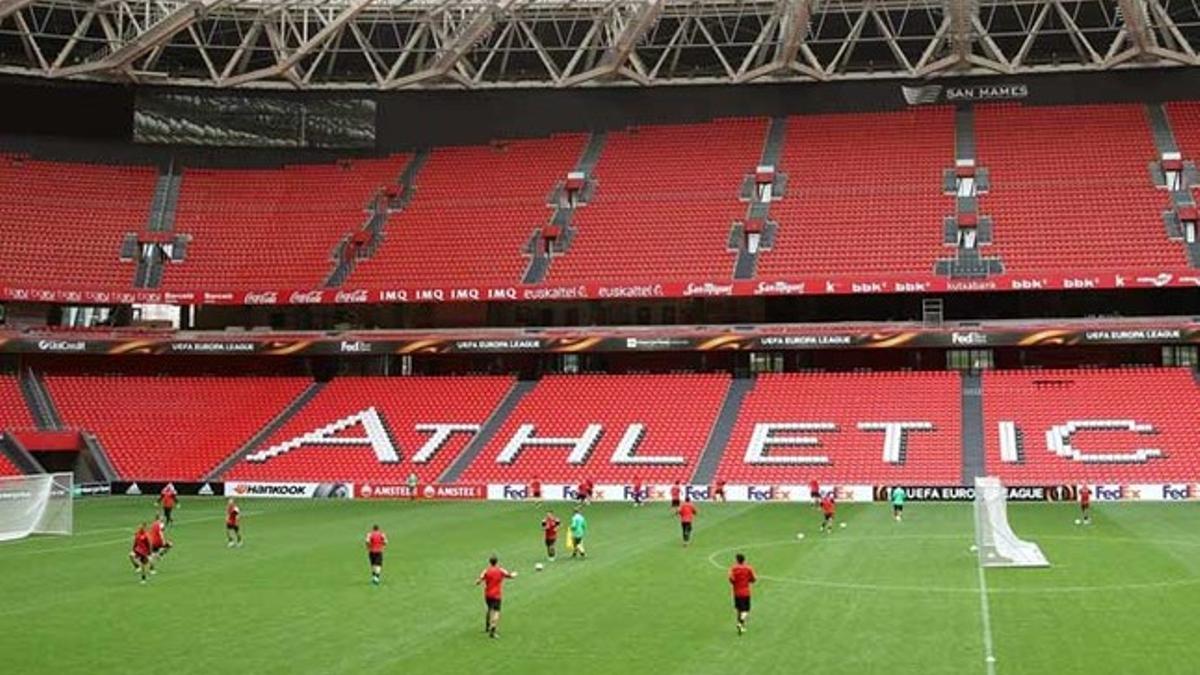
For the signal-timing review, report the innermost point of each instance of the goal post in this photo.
(37, 504)
(997, 544)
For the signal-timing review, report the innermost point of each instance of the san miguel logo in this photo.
(936, 93)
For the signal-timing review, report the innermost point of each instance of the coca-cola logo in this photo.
(778, 288)
(359, 295)
(264, 298)
(307, 298)
(708, 288)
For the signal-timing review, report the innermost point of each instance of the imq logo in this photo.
(935, 93)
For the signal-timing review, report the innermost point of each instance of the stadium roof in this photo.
(476, 44)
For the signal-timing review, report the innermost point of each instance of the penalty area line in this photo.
(989, 651)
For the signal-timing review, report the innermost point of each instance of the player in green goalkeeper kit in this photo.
(898, 497)
(578, 532)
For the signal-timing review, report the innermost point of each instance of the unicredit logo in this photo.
(61, 346)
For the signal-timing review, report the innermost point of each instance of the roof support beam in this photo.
(8, 7)
(286, 64)
(178, 19)
(451, 52)
(1138, 27)
(614, 58)
(961, 13)
(795, 23)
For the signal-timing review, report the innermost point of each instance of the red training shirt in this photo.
(550, 527)
(740, 577)
(156, 533)
(141, 543)
(168, 498)
(687, 512)
(827, 504)
(675, 491)
(814, 486)
(493, 582)
(1085, 495)
(376, 540)
(231, 514)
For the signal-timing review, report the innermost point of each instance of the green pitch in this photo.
(875, 597)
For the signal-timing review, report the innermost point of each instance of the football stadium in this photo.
(600, 336)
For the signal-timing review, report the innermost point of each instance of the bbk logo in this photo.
(872, 287)
(1028, 284)
(516, 492)
(696, 494)
(1081, 283)
(912, 287)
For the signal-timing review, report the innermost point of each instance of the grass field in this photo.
(875, 597)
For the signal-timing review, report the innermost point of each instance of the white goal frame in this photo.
(36, 504)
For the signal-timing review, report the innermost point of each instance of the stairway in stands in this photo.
(362, 244)
(554, 238)
(158, 245)
(1177, 174)
(967, 231)
(755, 235)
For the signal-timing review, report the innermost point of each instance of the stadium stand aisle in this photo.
(1056, 207)
(473, 209)
(62, 224)
(665, 200)
(864, 193)
(272, 228)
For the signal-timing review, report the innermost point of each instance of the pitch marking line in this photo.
(971, 590)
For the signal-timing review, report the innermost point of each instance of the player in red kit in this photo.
(687, 513)
(168, 499)
(718, 490)
(139, 555)
(535, 492)
(159, 544)
(550, 533)
(828, 507)
(492, 579)
(814, 491)
(376, 542)
(637, 492)
(233, 525)
(1085, 504)
(741, 576)
(675, 490)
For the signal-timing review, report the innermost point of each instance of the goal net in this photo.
(39, 504)
(997, 544)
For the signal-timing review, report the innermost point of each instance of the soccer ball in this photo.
(974, 549)
(842, 525)
(537, 567)
(1078, 521)
(799, 535)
